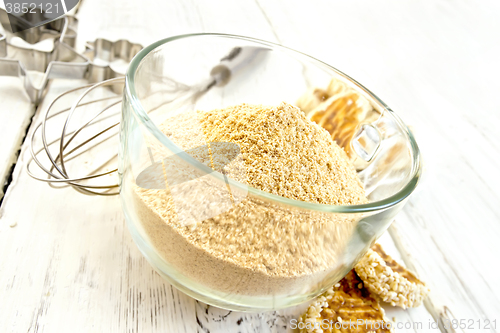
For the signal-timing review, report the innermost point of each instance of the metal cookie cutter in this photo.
(27, 56)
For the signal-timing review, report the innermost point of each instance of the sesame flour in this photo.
(256, 246)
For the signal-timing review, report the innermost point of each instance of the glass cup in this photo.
(187, 202)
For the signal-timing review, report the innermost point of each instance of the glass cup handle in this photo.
(366, 141)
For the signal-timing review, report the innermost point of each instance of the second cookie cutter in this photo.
(109, 60)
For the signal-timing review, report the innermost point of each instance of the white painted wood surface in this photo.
(69, 263)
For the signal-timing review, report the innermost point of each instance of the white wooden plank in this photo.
(15, 115)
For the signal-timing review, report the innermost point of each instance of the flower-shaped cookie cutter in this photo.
(109, 60)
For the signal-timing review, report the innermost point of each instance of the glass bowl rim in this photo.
(374, 206)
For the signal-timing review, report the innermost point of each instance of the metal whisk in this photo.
(56, 171)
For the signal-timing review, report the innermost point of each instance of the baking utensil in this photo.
(109, 60)
(343, 232)
(47, 52)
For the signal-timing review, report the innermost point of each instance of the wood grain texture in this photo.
(15, 113)
(70, 263)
